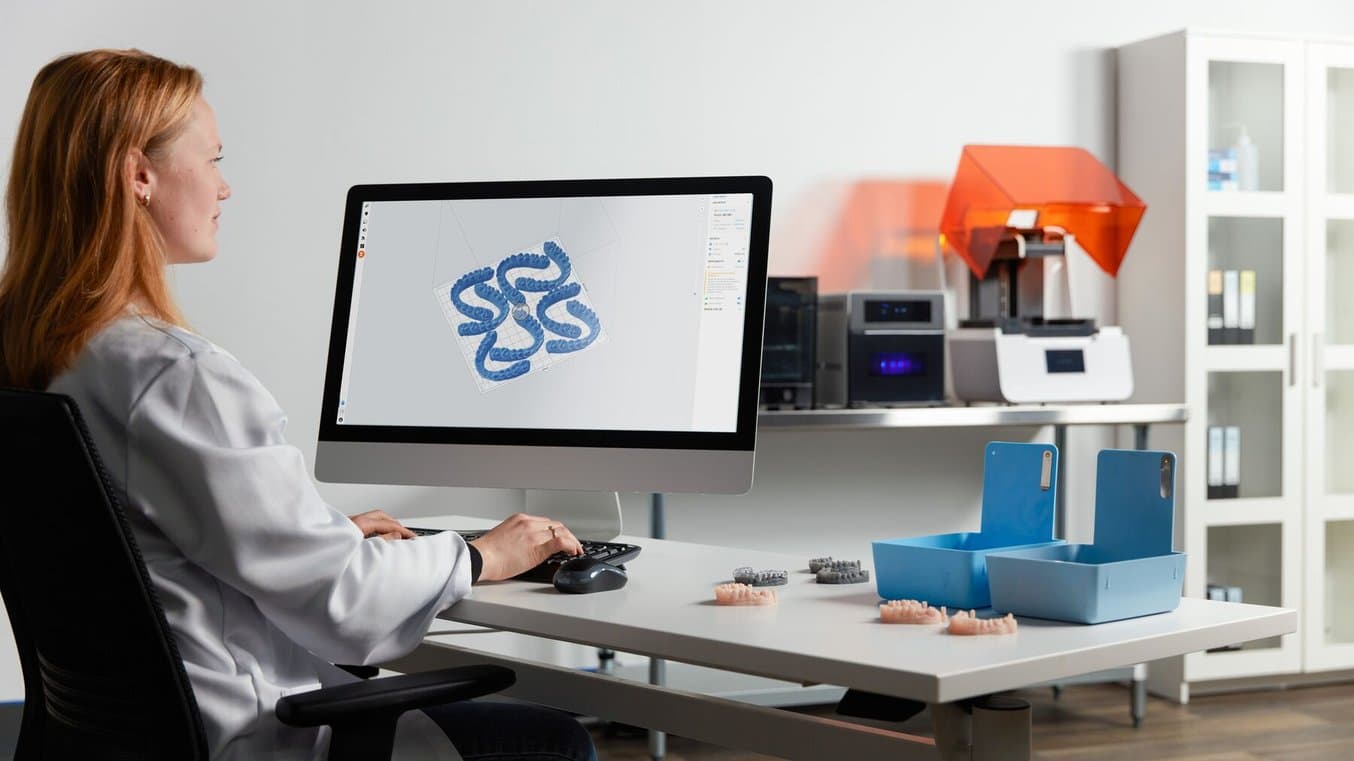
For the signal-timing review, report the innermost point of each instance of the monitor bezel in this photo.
(743, 438)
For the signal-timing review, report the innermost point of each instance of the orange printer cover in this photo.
(1067, 187)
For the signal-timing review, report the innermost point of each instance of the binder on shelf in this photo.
(1215, 485)
(1246, 307)
(1214, 307)
(1231, 462)
(1231, 306)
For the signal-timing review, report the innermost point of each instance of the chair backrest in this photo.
(102, 675)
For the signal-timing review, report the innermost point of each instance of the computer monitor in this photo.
(600, 335)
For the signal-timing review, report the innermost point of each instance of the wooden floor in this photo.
(1091, 723)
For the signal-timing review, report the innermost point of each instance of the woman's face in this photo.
(186, 189)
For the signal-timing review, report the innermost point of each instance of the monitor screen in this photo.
(605, 314)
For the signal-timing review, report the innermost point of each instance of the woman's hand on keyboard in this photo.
(378, 523)
(521, 543)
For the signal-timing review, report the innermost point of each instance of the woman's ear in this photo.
(140, 174)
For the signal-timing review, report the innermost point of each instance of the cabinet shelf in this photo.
(1334, 508)
(1246, 511)
(1238, 203)
(1338, 206)
(1247, 358)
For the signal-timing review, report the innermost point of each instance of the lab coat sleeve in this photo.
(208, 465)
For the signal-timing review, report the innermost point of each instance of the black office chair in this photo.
(102, 674)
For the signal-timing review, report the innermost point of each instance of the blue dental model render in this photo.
(550, 311)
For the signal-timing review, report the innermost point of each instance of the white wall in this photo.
(314, 97)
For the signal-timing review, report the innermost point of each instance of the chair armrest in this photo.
(392, 695)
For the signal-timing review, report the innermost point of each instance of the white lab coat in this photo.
(265, 585)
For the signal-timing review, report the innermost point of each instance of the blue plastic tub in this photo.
(1129, 571)
(1020, 492)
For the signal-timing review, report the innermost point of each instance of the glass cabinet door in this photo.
(1330, 279)
(1329, 608)
(1249, 539)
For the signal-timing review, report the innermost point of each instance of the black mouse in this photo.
(582, 575)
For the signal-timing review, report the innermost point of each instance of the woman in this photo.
(116, 175)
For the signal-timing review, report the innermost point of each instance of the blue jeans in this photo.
(512, 732)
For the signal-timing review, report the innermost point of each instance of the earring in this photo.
(145, 200)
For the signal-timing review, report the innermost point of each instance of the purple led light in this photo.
(897, 363)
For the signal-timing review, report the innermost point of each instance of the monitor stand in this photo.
(591, 515)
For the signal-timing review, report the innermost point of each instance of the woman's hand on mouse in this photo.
(521, 543)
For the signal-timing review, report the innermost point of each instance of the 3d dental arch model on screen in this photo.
(550, 313)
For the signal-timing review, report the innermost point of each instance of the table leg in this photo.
(658, 668)
(1138, 709)
(606, 661)
(991, 728)
(657, 525)
(658, 739)
(954, 731)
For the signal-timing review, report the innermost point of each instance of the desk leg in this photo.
(658, 668)
(954, 731)
(992, 728)
(658, 740)
(1138, 709)
(606, 661)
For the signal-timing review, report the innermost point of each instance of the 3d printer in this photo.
(1015, 215)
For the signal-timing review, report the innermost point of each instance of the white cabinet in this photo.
(1285, 536)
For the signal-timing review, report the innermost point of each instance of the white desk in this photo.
(817, 633)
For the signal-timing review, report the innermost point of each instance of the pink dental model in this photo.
(968, 624)
(911, 612)
(742, 594)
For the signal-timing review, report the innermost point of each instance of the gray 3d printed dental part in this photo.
(817, 564)
(752, 577)
(840, 565)
(843, 576)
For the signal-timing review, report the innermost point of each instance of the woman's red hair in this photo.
(81, 249)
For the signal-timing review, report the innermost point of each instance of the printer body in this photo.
(1021, 344)
(881, 348)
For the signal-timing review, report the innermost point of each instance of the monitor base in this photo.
(591, 515)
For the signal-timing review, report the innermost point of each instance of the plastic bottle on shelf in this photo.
(1247, 162)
